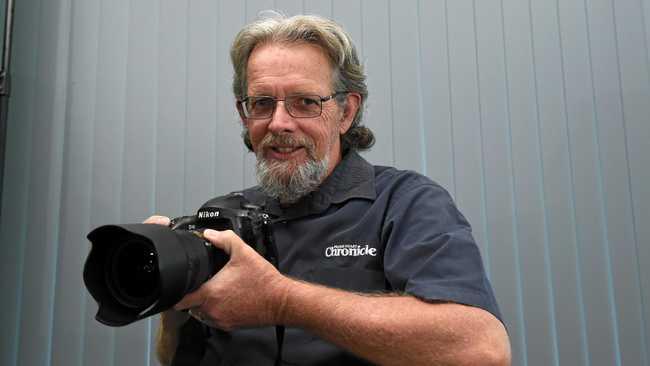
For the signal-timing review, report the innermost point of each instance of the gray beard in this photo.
(276, 183)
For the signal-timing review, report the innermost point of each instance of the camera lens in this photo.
(132, 274)
(137, 270)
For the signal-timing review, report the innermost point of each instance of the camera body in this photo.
(137, 270)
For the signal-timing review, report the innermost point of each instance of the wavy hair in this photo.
(347, 71)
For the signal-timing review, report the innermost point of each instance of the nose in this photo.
(281, 121)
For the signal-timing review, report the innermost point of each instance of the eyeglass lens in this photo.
(299, 106)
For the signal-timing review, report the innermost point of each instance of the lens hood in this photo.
(182, 262)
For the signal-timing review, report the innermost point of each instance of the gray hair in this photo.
(347, 75)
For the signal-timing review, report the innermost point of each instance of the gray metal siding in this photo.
(533, 114)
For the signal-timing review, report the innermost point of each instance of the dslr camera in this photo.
(134, 271)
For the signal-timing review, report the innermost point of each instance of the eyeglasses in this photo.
(297, 105)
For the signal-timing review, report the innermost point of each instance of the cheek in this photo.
(256, 133)
(321, 135)
(329, 127)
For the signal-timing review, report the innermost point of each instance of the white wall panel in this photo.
(614, 161)
(404, 78)
(501, 238)
(557, 185)
(377, 62)
(594, 262)
(533, 114)
(530, 225)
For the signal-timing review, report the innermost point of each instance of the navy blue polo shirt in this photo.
(366, 229)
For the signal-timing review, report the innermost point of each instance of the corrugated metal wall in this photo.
(534, 114)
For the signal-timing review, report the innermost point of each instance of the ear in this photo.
(350, 111)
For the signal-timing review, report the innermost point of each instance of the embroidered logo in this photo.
(350, 250)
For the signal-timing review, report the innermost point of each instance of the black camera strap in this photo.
(273, 258)
(279, 338)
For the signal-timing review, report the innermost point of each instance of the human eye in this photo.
(304, 105)
(259, 106)
(307, 100)
(261, 102)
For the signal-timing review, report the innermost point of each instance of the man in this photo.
(375, 264)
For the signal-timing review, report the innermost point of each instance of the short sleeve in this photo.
(430, 252)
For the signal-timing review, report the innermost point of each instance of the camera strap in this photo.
(273, 258)
(279, 338)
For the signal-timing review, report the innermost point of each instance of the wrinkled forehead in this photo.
(283, 65)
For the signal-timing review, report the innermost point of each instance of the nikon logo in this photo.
(350, 250)
(208, 214)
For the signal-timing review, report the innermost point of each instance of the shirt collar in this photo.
(352, 178)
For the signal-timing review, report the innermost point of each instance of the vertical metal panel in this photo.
(434, 93)
(318, 7)
(533, 114)
(34, 320)
(107, 156)
(201, 109)
(404, 81)
(66, 345)
(500, 221)
(17, 175)
(529, 199)
(232, 172)
(348, 13)
(171, 124)
(594, 262)
(645, 19)
(377, 62)
(619, 217)
(467, 122)
(288, 7)
(255, 7)
(569, 339)
(634, 65)
(39, 265)
(137, 198)
(67, 342)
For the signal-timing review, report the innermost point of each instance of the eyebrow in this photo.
(266, 90)
(287, 94)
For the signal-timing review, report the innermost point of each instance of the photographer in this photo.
(375, 265)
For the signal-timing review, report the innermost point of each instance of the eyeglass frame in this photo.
(240, 103)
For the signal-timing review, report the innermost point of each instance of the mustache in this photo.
(285, 139)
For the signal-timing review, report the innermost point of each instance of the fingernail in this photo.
(210, 233)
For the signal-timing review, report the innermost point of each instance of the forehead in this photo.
(288, 68)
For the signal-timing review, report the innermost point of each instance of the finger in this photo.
(191, 300)
(158, 220)
(224, 240)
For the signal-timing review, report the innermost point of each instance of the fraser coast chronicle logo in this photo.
(350, 250)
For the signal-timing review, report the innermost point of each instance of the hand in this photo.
(247, 292)
(158, 220)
